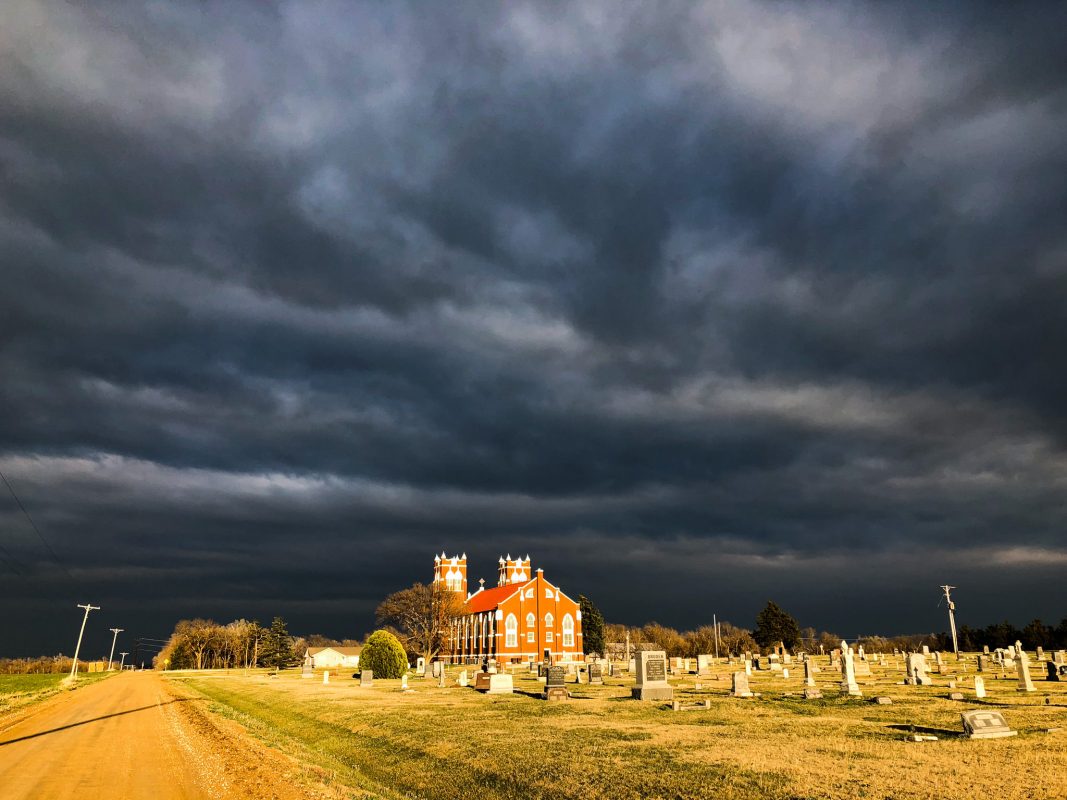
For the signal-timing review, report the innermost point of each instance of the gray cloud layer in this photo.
(698, 303)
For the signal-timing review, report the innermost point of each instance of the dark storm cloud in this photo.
(739, 296)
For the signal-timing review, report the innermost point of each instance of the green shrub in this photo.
(384, 655)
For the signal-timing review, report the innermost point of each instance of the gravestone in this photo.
(596, 674)
(926, 650)
(703, 665)
(979, 687)
(748, 667)
(985, 725)
(1056, 671)
(740, 685)
(955, 696)
(555, 688)
(440, 677)
(404, 682)
(652, 677)
(366, 677)
(917, 675)
(1060, 657)
(809, 674)
(1022, 664)
(883, 701)
(863, 669)
(848, 672)
(436, 667)
(983, 663)
(631, 665)
(420, 667)
(1041, 654)
(463, 679)
(500, 683)
(306, 671)
(325, 677)
(534, 668)
(985, 649)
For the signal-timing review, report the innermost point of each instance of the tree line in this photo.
(205, 644)
(419, 616)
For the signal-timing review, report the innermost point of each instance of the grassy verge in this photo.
(457, 743)
(17, 691)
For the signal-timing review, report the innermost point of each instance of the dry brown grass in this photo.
(456, 742)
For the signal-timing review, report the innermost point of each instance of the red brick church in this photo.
(522, 617)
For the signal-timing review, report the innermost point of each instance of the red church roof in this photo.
(488, 599)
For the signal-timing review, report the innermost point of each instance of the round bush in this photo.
(384, 655)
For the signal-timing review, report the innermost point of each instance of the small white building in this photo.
(333, 657)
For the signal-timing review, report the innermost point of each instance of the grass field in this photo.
(458, 743)
(17, 691)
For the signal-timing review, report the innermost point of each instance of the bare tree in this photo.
(422, 614)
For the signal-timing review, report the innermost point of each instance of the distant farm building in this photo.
(333, 657)
(522, 617)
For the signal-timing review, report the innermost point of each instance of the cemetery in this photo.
(897, 726)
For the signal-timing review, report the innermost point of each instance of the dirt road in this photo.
(128, 737)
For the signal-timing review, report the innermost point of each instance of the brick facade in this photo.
(520, 618)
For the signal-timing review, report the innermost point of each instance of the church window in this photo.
(568, 631)
(511, 628)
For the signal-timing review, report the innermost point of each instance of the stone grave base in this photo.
(557, 693)
(652, 693)
(701, 705)
(811, 693)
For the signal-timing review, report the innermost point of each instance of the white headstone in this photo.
(1022, 664)
(848, 672)
(740, 685)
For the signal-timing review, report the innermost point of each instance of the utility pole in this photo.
(715, 624)
(78, 647)
(123, 662)
(952, 619)
(111, 657)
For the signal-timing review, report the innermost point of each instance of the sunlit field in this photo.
(20, 690)
(458, 743)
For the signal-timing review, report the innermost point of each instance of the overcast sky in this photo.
(699, 304)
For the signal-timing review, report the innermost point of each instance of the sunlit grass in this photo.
(20, 690)
(457, 743)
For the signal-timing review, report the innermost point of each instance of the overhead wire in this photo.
(33, 525)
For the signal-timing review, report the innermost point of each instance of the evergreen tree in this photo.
(277, 648)
(383, 655)
(592, 627)
(774, 625)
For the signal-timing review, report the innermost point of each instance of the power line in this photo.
(34, 526)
